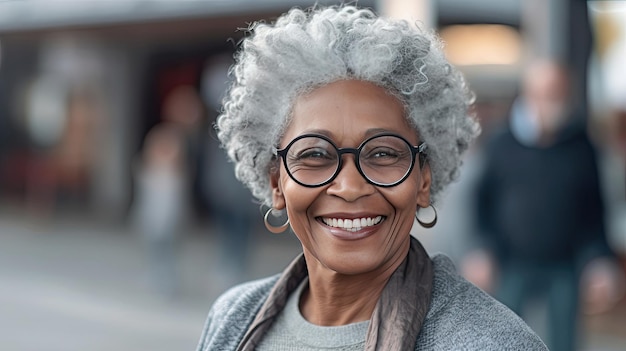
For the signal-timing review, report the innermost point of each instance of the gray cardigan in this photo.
(461, 317)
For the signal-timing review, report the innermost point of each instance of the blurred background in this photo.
(120, 220)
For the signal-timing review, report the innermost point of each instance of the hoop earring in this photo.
(428, 224)
(272, 228)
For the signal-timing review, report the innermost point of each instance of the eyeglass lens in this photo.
(383, 160)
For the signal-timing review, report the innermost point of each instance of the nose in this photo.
(349, 183)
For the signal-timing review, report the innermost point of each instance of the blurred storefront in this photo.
(81, 83)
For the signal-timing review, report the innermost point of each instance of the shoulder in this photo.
(499, 144)
(464, 317)
(244, 296)
(232, 313)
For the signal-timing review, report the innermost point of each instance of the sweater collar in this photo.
(397, 318)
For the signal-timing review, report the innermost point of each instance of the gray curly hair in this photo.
(305, 49)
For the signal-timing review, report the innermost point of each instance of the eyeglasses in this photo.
(384, 160)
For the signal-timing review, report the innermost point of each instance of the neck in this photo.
(334, 299)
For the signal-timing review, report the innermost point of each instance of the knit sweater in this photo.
(291, 331)
(461, 317)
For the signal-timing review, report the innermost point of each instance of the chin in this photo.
(353, 264)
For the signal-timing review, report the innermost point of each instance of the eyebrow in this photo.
(368, 133)
(374, 131)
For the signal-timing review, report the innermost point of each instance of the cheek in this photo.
(298, 199)
(406, 195)
(405, 202)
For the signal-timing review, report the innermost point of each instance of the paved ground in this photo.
(73, 285)
(76, 285)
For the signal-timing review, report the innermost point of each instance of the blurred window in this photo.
(482, 44)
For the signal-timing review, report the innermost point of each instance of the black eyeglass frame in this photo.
(415, 150)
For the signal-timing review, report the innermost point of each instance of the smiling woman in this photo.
(350, 124)
(348, 112)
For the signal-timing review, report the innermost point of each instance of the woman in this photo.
(350, 124)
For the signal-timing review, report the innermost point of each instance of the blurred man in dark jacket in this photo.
(539, 207)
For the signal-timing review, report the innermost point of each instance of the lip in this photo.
(343, 234)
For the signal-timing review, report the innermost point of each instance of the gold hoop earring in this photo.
(272, 228)
(428, 224)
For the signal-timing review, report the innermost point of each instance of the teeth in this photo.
(352, 225)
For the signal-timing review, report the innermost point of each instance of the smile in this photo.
(352, 225)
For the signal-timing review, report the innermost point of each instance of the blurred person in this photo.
(161, 203)
(616, 155)
(602, 297)
(348, 126)
(231, 206)
(232, 214)
(540, 214)
(183, 107)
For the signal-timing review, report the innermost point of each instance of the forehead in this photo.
(348, 109)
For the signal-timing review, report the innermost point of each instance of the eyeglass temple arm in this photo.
(421, 150)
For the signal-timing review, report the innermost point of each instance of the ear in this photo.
(423, 191)
(278, 199)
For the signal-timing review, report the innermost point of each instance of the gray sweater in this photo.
(461, 317)
(291, 331)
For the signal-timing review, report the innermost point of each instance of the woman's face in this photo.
(348, 112)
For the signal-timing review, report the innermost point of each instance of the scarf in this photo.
(397, 318)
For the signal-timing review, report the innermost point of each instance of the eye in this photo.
(313, 153)
(314, 157)
(380, 156)
(382, 152)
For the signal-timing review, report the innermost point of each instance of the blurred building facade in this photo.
(80, 85)
(118, 60)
